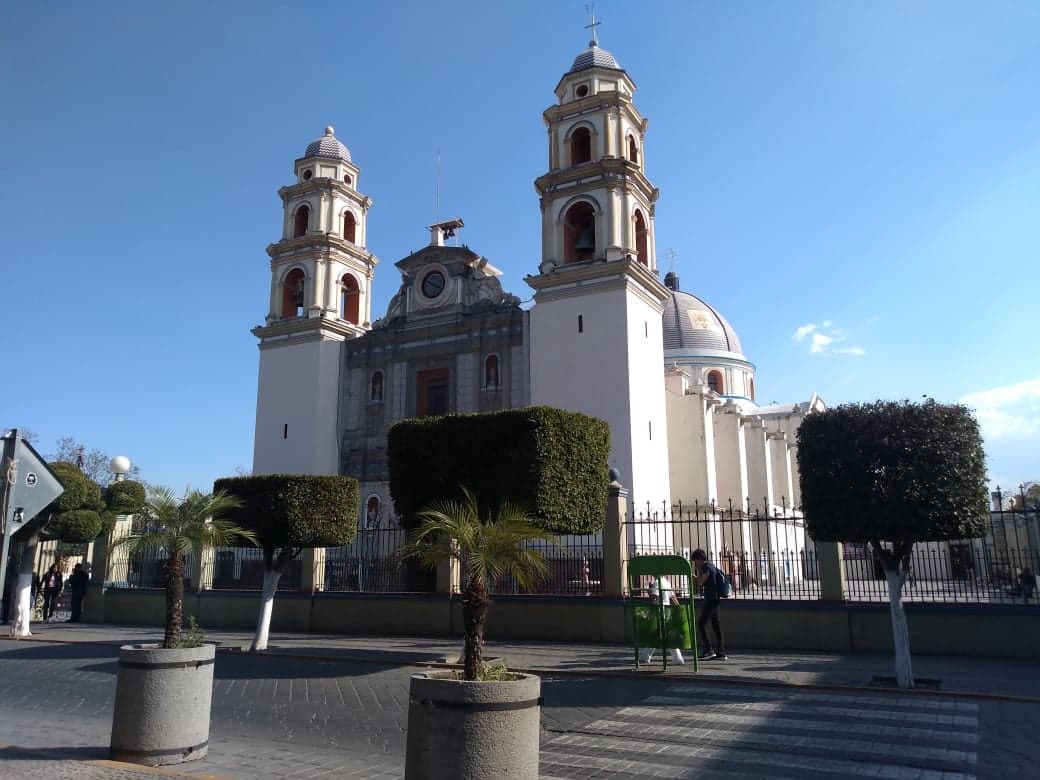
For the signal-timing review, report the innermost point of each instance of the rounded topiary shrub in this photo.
(77, 525)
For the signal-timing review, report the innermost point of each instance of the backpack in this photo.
(722, 584)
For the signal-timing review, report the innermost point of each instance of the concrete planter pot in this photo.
(162, 704)
(472, 730)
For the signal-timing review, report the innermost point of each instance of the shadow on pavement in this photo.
(74, 753)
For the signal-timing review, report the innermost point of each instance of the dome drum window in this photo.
(715, 382)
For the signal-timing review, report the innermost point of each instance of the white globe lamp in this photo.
(120, 466)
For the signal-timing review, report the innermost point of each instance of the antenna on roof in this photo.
(437, 189)
(590, 8)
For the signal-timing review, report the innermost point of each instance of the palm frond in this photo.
(491, 548)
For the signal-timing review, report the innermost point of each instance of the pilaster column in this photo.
(449, 577)
(615, 549)
(312, 570)
(830, 559)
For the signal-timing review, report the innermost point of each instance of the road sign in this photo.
(26, 497)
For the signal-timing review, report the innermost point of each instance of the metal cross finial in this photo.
(593, 24)
(671, 254)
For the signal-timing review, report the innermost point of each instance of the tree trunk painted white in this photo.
(22, 606)
(263, 623)
(900, 631)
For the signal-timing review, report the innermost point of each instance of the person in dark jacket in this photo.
(708, 576)
(51, 590)
(77, 590)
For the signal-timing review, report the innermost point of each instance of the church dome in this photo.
(328, 146)
(594, 57)
(691, 324)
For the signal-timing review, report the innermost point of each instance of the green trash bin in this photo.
(656, 623)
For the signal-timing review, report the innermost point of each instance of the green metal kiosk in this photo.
(655, 621)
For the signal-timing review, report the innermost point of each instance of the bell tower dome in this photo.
(596, 326)
(321, 282)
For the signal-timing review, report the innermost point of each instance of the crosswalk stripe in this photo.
(783, 722)
(963, 723)
(692, 731)
(694, 758)
(758, 741)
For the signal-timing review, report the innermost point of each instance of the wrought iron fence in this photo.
(575, 568)
(770, 555)
(144, 568)
(242, 568)
(373, 564)
(765, 554)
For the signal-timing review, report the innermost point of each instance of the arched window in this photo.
(349, 226)
(301, 221)
(641, 254)
(372, 512)
(751, 385)
(491, 377)
(581, 146)
(579, 233)
(292, 294)
(349, 299)
(375, 391)
(715, 381)
(633, 150)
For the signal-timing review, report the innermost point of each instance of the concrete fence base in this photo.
(991, 630)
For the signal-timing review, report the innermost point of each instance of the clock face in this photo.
(433, 284)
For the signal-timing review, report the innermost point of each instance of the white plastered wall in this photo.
(581, 372)
(297, 399)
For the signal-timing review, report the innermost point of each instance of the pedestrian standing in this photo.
(714, 584)
(77, 589)
(51, 590)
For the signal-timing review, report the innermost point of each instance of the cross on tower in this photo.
(593, 24)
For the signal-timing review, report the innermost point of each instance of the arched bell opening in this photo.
(579, 233)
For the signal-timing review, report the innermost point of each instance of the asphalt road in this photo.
(297, 717)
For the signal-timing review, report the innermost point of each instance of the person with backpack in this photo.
(716, 587)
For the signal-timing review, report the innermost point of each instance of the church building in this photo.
(671, 376)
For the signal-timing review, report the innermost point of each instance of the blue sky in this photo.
(854, 185)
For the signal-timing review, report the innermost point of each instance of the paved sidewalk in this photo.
(995, 683)
(1015, 679)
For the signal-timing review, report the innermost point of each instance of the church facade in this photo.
(678, 392)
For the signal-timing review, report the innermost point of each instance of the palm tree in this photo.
(488, 549)
(179, 525)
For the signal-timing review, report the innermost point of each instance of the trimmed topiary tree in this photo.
(548, 459)
(892, 474)
(290, 512)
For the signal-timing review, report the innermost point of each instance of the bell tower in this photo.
(596, 335)
(321, 282)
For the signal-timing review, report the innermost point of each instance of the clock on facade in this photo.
(433, 284)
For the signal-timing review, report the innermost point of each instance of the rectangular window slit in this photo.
(581, 324)
(285, 431)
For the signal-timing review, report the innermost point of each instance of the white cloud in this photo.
(804, 331)
(825, 339)
(1009, 411)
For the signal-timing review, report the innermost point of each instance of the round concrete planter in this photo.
(162, 704)
(472, 730)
